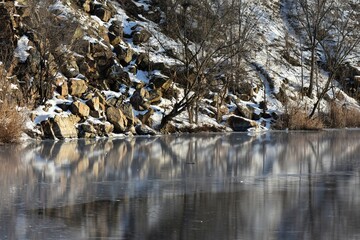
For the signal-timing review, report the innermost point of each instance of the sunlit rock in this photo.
(117, 118)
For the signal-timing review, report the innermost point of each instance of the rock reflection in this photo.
(204, 186)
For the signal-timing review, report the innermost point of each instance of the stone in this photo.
(70, 68)
(64, 106)
(116, 117)
(240, 124)
(60, 127)
(155, 97)
(77, 87)
(146, 118)
(102, 99)
(103, 13)
(104, 129)
(245, 97)
(141, 36)
(124, 54)
(63, 89)
(137, 100)
(96, 114)
(127, 109)
(116, 28)
(80, 109)
(143, 62)
(87, 131)
(114, 39)
(144, 130)
(94, 103)
(243, 111)
(87, 135)
(160, 82)
(86, 5)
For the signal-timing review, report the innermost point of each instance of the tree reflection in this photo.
(205, 186)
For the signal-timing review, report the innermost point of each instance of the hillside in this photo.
(92, 68)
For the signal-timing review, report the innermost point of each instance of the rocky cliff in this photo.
(88, 68)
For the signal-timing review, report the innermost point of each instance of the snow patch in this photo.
(22, 48)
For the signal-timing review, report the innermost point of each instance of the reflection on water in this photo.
(210, 186)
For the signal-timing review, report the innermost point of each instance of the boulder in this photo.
(64, 106)
(104, 129)
(243, 111)
(245, 97)
(70, 68)
(141, 36)
(80, 109)
(127, 109)
(116, 117)
(116, 28)
(240, 124)
(160, 82)
(124, 54)
(102, 99)
(143, 62)
(114, 39)
(96, 114)
(87, 131)
(60, 127)
(146, 118)
(77, 87)
(103, 13)
(94, 103)
(138, 100)
(86, 5)
(63, 89)
(155, 97)
(142, 129)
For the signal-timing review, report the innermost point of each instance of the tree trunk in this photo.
(321, 96)
(312, 70)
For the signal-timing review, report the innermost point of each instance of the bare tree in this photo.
(340, 43)
(50, 31)
(311, 15)
(213, 36)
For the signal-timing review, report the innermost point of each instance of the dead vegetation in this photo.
(11, 123)
(341, 116)
(296, 118)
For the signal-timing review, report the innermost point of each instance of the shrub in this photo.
(297, 119)
(11, 123)
(340, 116)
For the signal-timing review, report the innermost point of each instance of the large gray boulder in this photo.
(117, 118)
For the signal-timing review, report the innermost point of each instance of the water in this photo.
(298, 185)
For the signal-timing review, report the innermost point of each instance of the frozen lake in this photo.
(296, 185)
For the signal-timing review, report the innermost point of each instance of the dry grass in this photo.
(340, 116)
(11, 123)
(297, 119)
